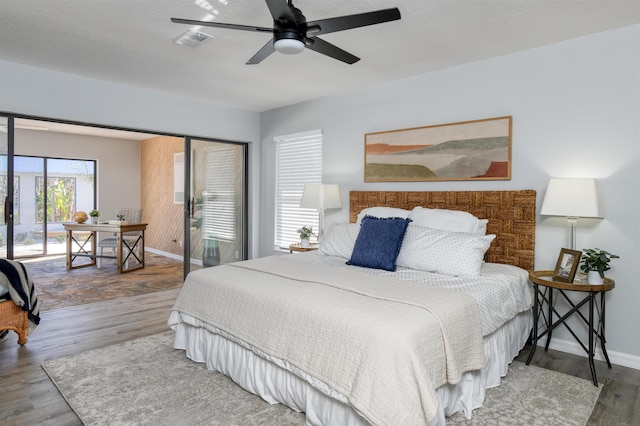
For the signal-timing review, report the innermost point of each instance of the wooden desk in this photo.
(124, 249)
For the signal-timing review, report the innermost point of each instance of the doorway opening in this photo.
(97, 167)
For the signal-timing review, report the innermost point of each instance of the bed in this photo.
(353, 345)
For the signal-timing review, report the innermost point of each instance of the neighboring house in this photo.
(575, 108)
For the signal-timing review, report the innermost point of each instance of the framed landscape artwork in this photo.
(469, 150)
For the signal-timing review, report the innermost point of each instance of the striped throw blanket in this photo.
(17, 279)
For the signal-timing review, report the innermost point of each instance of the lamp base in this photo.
(573, 221)
(320, 226)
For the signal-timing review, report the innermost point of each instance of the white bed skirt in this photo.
(269, 379)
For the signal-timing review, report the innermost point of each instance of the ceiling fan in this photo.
(292, 33)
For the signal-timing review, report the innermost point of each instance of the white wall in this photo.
(576, 113)
(45, 93)
(118, 174)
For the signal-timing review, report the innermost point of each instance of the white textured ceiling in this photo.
(130, 42)
(77, 129)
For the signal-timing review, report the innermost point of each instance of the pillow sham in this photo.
(339, 240)
(379, 242)
(444, 252)
(448, 220)
(481, 228)
(382, 212)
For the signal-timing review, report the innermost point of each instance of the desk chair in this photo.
(131, 216)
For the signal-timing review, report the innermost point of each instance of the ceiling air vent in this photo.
(191, 38)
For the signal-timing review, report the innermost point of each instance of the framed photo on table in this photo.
(567, 265)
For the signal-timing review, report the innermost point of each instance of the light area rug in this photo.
(533, 396)
(146, 381)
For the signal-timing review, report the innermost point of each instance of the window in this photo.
(298, 161)
(61, 199)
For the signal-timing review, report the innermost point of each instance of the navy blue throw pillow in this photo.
(378, 243)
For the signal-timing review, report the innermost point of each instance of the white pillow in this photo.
(481, 229)
(448, 220)
(382, 212)
(339, 240)
(444, 252)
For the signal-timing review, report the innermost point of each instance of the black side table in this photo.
(544, 293)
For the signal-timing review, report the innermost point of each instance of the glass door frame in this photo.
(189, 177)
(8, 202)
(187, 141)
(48, 161)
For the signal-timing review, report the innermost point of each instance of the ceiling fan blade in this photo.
(318, 45)
(261, 54)
(222, 25)
(281, 11)
(331, 25)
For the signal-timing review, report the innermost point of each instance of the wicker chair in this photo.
(12, 317)
(131, 215)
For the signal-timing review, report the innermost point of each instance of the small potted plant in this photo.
(594, 263)
(95, 214)
(305, 233)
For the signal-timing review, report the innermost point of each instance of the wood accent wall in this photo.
(165, 229)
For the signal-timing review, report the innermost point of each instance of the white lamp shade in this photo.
(321, 196)
(572, 198)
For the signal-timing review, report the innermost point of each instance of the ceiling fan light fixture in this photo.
(292, 33)
(288, 46)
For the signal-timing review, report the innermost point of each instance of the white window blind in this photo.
(219, 195)
(298, 161)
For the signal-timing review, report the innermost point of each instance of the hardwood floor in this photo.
(619, 401)
(29, 397)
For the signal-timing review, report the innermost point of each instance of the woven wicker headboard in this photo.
(511, 214)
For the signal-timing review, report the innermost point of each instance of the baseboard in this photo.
(173, 256)
(615, 357)
(164, 253)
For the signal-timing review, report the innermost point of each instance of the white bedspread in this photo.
(501, 291)
(385, 345)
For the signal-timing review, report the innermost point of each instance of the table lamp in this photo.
(573, 199)
(321, 196)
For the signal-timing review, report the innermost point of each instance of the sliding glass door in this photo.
(216, 216)
(48, 192)
(28, 232)
(37, 195)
